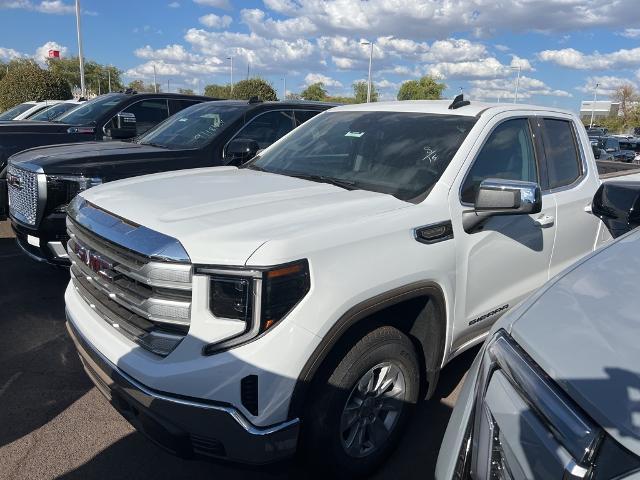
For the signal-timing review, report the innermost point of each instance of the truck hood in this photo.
(583, 332)
(222, 215)
(27, 126)
(87, 157)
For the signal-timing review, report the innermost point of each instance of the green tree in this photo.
(360, 92)
(141, 87)
(27, 81)
(186, 91)
(338, 99)
(315, 92)
(97, 76)
(217, 91)
(427, 88)
(253, 87)
(3, 69)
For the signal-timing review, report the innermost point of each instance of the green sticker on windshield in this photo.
(354, 134)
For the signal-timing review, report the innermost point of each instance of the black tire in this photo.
(323, 438)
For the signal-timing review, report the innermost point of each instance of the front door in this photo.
(508, 256)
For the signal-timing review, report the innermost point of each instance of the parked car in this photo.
(612, 145)
(110, 116)
(54, 111)
(204, 135)
(597, 131)
(554, 391)
(307, 299)
(24, 110)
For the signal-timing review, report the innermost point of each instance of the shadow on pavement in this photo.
(39, 376)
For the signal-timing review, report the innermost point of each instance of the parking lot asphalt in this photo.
(55, 424)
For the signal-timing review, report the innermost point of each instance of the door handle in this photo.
(545, 220)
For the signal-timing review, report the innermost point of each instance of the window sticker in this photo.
(354, 134)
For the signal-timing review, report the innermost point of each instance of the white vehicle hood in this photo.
(223, 215)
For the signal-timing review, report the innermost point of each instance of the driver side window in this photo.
(507, 154)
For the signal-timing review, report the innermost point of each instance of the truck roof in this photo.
(442, 107)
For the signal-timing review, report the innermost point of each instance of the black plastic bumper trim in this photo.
(173, 422)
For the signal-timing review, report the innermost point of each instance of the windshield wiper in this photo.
(346, 184)
(151, 144)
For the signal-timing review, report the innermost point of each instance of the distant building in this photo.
(601, 109)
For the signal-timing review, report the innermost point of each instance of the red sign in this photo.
(54, 53)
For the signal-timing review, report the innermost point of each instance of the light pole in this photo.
(284, 88)
(109, 77)
(231, 58)
(370, 59)
(593, 105)
(168, 85)
(83, 90)
(519, 69)
(155, 82)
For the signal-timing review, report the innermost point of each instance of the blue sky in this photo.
(563, 48)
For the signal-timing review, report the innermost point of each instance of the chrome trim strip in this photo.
(58, 250)
(235, 414)
(133, 237)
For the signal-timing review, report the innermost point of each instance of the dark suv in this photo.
(42, 181)
(110, 116)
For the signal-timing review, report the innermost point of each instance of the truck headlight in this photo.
(260, 297)
(61, 189)
(519, 408)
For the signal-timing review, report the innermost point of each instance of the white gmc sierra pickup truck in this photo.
(308, 299)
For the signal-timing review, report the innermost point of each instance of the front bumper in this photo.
(48, 242)
(184, 426)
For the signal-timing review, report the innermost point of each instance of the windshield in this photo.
(52, 112)
(193, 127)
(399, 153)
(15, 111)
(92, 110)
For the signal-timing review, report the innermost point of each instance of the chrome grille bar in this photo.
(146, 299)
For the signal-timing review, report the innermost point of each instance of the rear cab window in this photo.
(564, 165)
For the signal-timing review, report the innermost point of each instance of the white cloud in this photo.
(522, 63)
(312, 78)
(10, 54)
(45, 6)
(504, 88)
(485, 68)
(174, 5)
(607, 84)
(501, 48)
(455, 50)
(631, 33)
(575, 59)
(258, 22)
(442, 18)
(223, 4)
(215, 21)
(171, 53)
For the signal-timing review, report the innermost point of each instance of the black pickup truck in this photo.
(110, 116)
(42, 181)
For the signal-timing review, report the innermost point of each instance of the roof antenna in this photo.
(458, 102)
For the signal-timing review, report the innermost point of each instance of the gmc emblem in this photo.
(94, 261)
(14, 181)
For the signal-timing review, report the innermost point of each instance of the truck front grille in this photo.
(24, 193)
(148, 301)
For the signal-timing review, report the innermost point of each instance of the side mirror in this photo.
(617, 204)
(241, 150)
(503, 197)
(125, 126)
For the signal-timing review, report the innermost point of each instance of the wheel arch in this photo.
(426, 326)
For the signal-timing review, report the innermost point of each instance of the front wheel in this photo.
(361, 405)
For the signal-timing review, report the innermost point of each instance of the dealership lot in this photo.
(55, 424)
